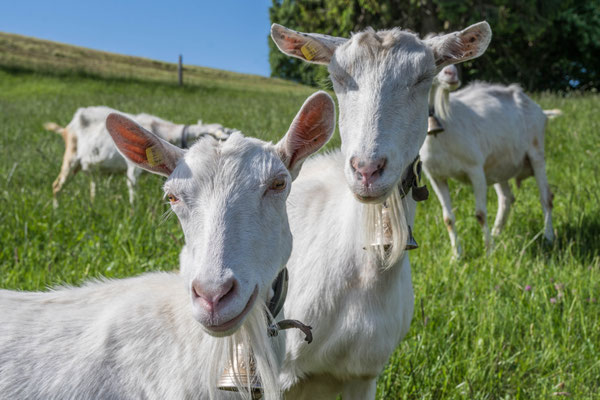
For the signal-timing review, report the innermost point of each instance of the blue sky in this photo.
(223, 34)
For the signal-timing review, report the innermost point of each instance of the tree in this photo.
(550, 44)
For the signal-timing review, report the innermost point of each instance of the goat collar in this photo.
(275, 305)
(184, 137)
(280, 286)
(412, 182)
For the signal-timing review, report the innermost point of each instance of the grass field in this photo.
(522, 323)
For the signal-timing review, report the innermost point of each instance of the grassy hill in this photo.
(521, 323)
(22, 52)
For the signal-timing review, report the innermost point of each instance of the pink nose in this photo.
(367, 172)
(210, 296)
(450, 73)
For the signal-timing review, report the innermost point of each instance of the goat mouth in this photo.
(371, 199)
(226, 326)
(370, 196)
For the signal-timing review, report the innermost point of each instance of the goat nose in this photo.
(450, 74)
(211, 296)
(367, 172)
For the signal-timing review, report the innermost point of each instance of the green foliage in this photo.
(545, 45)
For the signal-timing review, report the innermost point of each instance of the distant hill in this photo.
(27, 53)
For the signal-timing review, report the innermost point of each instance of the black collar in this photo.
(279, 292)
(412, 182)
(184, 134)
(280, 286)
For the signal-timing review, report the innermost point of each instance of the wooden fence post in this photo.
(180, 70)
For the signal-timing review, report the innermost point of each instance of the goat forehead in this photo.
(392, 53)
(236, 165)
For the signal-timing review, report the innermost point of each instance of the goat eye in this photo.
(172, 198)
(423, 78)
(278, 185)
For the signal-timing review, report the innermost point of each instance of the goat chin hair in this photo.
(374, 228)
(442, 103)
(251, 340)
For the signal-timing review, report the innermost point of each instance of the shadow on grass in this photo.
(580, 239)
(83, 74)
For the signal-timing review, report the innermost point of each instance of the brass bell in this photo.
(245, 375)
(384, 235)
(242, 374)
(411, 243)
(434, 126)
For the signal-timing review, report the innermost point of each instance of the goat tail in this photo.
(556, 112)
(54, 127)
(68, 137)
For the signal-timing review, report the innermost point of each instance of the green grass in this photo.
(26, 53)
(477, 333)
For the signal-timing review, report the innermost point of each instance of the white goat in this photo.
(359, 302)
(88, 145)
(138, 337)
(491, 133)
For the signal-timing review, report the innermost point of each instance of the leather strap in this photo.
(184, 134)
(412, 182)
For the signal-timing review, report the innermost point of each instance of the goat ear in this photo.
(311, 47)
(143, 148)
(460, 46)
(311, 129)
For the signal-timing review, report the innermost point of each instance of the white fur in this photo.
(88, 145)
(492, 133)
(151, 337)
(358, 308)
(359, 303)
(123, 339)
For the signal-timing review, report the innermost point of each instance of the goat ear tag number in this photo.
(154, 156)
(309, 51)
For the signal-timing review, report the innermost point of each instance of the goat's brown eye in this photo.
(172, 198)
(278, 185)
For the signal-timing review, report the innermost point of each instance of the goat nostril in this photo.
(196, 291)
(368, 171)
(212, 297)
(227, 292)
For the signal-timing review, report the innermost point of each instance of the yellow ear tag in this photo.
(309, 51)
(154, 156)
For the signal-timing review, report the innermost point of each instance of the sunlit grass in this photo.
(521, 323)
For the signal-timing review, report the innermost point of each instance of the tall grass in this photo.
(521, 323)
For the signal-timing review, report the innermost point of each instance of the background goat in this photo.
(138, 338)
(491, 133)
(359, 301)
(88, 145)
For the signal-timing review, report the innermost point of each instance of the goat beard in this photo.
(249, 344)
(374, 228)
